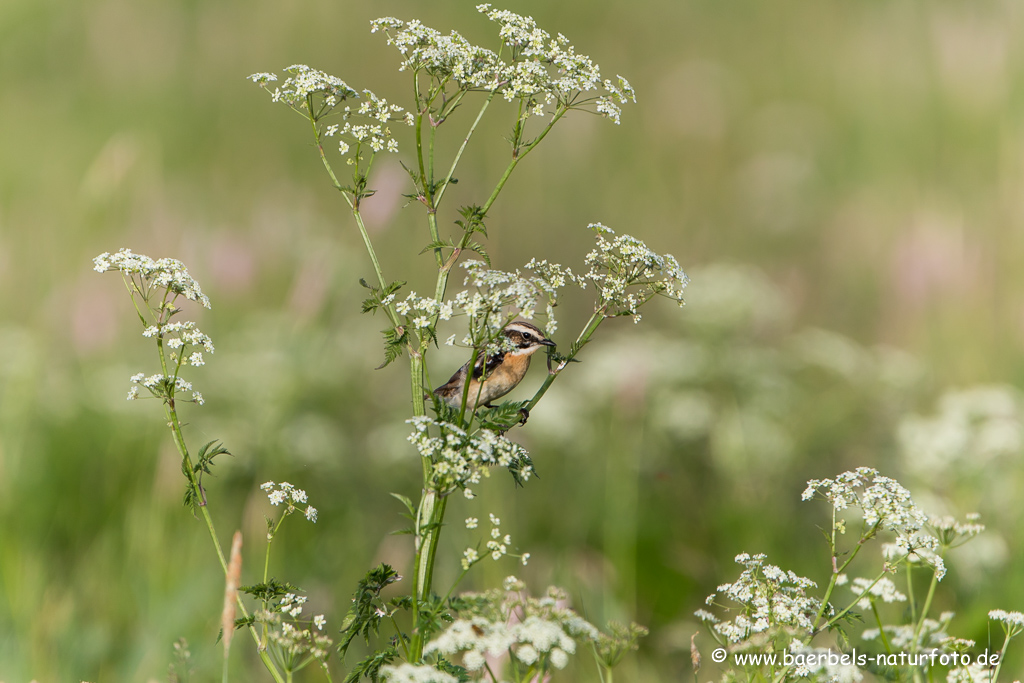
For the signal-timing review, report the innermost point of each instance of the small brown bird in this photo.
(500, 372)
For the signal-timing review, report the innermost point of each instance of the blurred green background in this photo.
(844, 182)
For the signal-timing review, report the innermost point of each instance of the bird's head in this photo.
(526, 337)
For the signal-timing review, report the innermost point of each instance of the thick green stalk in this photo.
(431, 510)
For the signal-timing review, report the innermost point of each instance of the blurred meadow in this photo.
(843, 182)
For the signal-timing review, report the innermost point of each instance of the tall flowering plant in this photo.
(541, 78)
(771, 625)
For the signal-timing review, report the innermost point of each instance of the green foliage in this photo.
(269, 591)
(395, 340)
(370, 666)
(378, 294)
(502, 417)
(365, 615)
(459, 672)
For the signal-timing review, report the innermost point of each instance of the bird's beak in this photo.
(547, 342)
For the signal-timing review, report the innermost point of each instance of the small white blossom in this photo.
(883, 589)
(469, 558)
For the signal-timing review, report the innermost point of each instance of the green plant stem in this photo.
(171, 415)
(518, 156)
(910, 592)
(433, 201)
(179, 443)
(462, 148)
(925, 607)
(839, 570)
(584, 337)
(1002, 653)
(432, 507)
(389, 308)
(853, 604)
(881, 628)
(602, 669)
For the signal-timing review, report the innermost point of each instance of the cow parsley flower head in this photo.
(951, 532)
(415, 673)
(548, 69)
(767, 597)
(316, 94)
(460, 459)
(535, 68)
(149, 275)
(627, 274)
(883, 501)
(534, 630)
(294, 499)
(444, 57)
(930, 634)
(304, 83)
(1013, 622)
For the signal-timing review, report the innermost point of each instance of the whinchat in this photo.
(496, 375)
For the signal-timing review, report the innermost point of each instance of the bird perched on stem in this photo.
(495, 375)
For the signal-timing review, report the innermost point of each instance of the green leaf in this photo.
(269, 591)
(503, 417)
(394, 343)
(376, 300)
(206, 455)
(245, 622)
(439, 244)
(401, 602)
(452, 669)
(371, 666)
(517, 466)
(479, 249)
(472, 220)
(406, 501)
